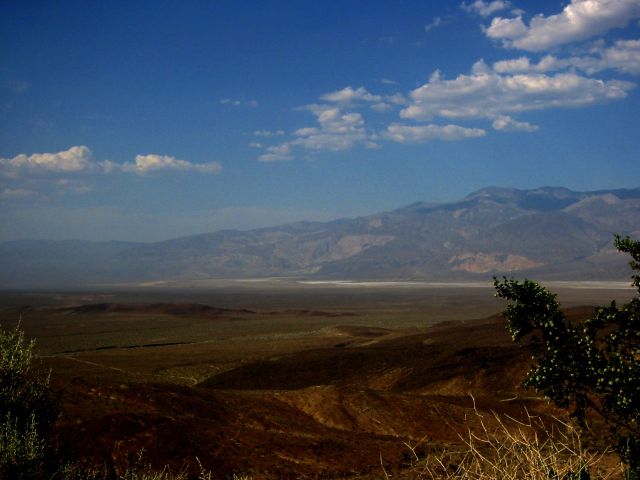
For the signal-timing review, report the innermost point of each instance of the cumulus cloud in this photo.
(435, 23)
(238, 103)
(579, 20)
(9, 193)
(75, 159)
(487, 94)
(350, 96)
(505, 123)
(153, 163)
(506, 28)
(66, 185)
(485, 9)
(78, 159)
(82, 189)
(268, 133)
(381, 107)
(424, 133)
(495, 93)
(335, 131)
(396, 98)
(515, 65)
(277, 153)
(623, 56)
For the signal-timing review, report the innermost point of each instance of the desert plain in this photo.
(279, 378)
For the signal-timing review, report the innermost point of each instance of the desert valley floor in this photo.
(280, 381)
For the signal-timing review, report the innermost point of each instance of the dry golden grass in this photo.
(504, 448)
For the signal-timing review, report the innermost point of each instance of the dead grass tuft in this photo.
(504, 448)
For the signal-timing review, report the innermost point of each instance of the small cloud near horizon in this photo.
(78, 159)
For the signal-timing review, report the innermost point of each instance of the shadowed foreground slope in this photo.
(328, 411)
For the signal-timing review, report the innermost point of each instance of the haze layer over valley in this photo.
(546, 233)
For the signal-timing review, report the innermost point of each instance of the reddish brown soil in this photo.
(326, 412)
(184, 309)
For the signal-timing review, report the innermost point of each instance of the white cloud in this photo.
(387, 81)
(623, 56)
(335, 131)
(494, 93)
(381, 107)
(487, 94)
(75, 159)
(396, 98)
(268, 133)
(505, 123)
(277, 153)
(82, 189)
(506, 28)
(153, 163)
(349, 96)
(424, 133)
(9, 193)
(516, 65)
(580, 20)
(485, 9)
(66, 185)
(78, 159)
(237, 103)
(435, 23)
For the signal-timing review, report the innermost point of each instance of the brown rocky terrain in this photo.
(331, 411)
(314, 382)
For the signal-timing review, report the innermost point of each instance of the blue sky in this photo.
(150, 120)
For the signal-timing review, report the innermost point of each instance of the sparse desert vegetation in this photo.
(506, 448)
(319, 240)
(318, 382)
(590, 367)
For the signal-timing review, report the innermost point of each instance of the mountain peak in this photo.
(547, 232)
(539, 199)
(494, 192)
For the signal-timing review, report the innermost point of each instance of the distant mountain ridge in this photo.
(544, 233)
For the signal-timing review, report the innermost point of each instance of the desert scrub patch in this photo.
(590, 368)
(26, 410)
(503, 447)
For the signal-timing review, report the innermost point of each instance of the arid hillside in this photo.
(279, 393)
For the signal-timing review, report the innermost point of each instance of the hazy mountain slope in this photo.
(49, 263)
(547, 233)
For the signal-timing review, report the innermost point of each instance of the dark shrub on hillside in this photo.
(27, 411)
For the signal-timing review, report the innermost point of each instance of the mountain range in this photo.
(545, 233)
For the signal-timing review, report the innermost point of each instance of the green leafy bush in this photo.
(26, 410)
(27, 413)
(588, 367)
